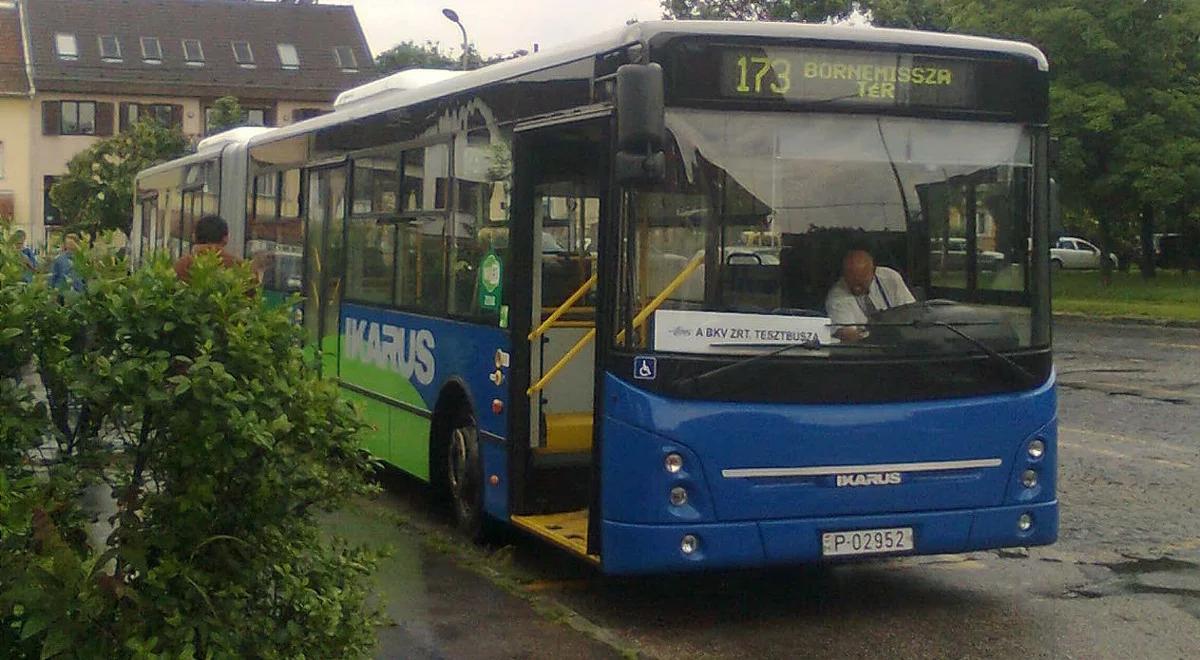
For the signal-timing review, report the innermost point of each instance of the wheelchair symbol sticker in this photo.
(645, 368)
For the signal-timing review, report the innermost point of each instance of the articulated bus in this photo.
(583, 293)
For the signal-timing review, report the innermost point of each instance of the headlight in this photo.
(679, 496)
(1037, 449)
(689, 544)
(1029, 478)
(1025, 522)
(673, 463)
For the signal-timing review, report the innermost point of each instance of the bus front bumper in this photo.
(636, 548)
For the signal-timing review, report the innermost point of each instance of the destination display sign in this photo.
(803, 75)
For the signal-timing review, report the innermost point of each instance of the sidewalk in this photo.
(441, 610)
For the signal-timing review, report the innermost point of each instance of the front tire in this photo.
(1056, 265)
(464, 477)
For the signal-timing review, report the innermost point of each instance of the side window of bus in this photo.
(370, 263)
(148, 225)
(421, 233)
(275, 231)
(479, 249)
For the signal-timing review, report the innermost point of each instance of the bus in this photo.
(583, 293)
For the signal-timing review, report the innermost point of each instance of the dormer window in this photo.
(110, 48)
(151, 50)
(193, 53)
(242, 53)
(345, 59)
(288, 57)
(65, 46)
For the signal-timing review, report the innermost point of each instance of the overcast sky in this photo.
(494, 26)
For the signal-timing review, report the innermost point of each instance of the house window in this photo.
(288, 57)
(78, 118)
(300, 114)
(242, 53)
(250, 117)
(345, 58)
(110, 48)
(1, 160)
(151, 50)
(163, 113)
(193, 53)
(65, 46)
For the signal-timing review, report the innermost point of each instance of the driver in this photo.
(863, 289)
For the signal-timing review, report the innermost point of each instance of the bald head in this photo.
(858, 269)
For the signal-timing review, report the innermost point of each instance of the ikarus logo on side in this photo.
(404, 351)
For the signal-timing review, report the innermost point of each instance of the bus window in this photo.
(479, 249)
(370, 261)
(275, 231)
(421, 264)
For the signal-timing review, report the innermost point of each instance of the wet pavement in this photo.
(1123, 581)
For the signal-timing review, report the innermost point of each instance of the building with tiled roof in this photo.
(72, 72)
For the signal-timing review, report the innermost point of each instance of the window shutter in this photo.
(51, 117)
(123, 117)
(104, 119)
(177, 116)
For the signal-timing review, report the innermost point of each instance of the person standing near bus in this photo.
(28, 256)
(62, 270)
(212, 234)
(863, 289)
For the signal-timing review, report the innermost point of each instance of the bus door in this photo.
(559, 206)
(323, 254)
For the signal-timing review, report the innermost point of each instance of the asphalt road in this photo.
(1123, 581)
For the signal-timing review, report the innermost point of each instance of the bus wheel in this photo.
(464, 476)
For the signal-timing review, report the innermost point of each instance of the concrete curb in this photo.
(1125, 320)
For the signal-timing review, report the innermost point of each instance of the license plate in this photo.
(866, 541)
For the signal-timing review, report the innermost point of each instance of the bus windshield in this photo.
(759, 210)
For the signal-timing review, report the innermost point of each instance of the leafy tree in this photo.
(96, 194)
(411, 55)
(226, 114)
(220, 445)
(763, 10)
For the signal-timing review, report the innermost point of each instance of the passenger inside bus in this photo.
(862, 290)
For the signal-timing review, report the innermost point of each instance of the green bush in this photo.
(193, 401)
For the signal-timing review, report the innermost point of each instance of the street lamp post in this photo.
(453, 16)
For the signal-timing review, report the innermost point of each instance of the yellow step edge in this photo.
(566, 530)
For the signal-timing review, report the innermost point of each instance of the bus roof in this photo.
(641, 33)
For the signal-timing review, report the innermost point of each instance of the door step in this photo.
(567, 530)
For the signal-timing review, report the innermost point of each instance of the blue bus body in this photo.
(439, 233)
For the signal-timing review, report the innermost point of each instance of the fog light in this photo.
(1029, 478)
(679, 496)
(1025, 522)
(673, 463)
(1037, 449)
(689, 544)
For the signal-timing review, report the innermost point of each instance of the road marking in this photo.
(1194, 347)
(1126, 457)
(1142, 441)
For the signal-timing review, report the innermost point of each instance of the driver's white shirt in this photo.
(844, 307)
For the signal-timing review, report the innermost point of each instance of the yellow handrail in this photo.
(637, 320)
(583, 341)
(665, 293)
(562, 309)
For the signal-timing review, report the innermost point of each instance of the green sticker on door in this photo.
(489, 282)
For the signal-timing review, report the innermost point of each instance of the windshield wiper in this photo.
(693, 381)
(995, 355)
(811, 345)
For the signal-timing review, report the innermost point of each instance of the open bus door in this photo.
(325, 206)
(566, 238)
(560, 208)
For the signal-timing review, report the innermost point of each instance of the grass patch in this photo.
(1172, 296)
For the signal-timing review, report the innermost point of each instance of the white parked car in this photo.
(1070, 252)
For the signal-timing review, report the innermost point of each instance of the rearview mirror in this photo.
(641, 124)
